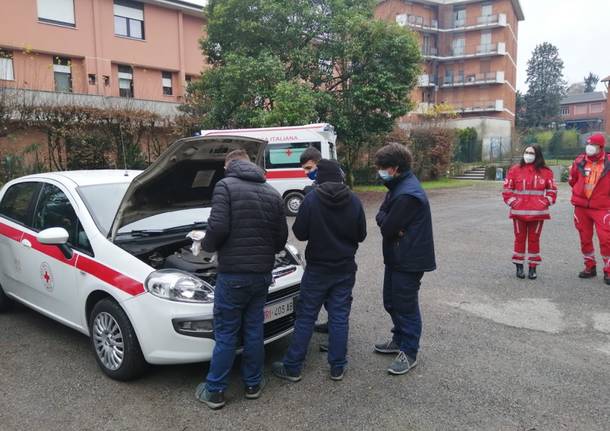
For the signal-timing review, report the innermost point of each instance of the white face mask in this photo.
(591, 150)
(529, 158)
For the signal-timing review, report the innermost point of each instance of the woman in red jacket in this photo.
(529, 191)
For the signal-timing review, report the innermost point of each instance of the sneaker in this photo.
(387, 347)
(254, 392)
(337, 373)
(214, 400)
(323, 347)
(588, 273)
(280, 371)
(402, 364)
(321, 328)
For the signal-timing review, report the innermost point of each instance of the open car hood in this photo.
(183, 177)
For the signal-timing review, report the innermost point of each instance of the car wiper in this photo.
(142, 233)
(196, 225)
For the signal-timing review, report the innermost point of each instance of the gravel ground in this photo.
(497, 353)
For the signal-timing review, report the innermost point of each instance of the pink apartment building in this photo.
(141, 52)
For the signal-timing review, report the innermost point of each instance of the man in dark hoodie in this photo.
(247, 227)
(408, 251)
(332, 220)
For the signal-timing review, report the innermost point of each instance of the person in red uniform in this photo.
(529, 191)
(590, 184)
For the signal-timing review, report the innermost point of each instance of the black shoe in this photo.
(280, 371)
(337, 373)
(254, 392)
(532, 273)
(323, 347)
(321, 328)
(520, 273)
(214, 400)
(588, 273)
(607, 278)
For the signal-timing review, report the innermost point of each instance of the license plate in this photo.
(278, 310)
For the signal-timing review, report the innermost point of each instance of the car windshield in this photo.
(103, 202)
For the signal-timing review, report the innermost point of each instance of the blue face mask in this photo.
(313, 174)
(384, 175)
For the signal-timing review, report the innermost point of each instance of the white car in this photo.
(106, 253)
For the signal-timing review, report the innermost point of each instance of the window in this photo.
(580, 109)
(458, 44)
(486, 45)
(596, 108)
(486, 10)
(166, 82)
(7, 72)
(459, 17)
(279, 156)
(62, 74)
(17, 202)
(129, 19)
(125, 81)
(448, 76)
(55, 210)
(565, 110)
(92, 79)
(56, 12)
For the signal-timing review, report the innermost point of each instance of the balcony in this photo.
(478, 23)
(473, 79)
(429, 52)
(478, 107)
(427, 81)
(475, 51)
(417, 22)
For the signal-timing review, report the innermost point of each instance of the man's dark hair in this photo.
(237, 155)
(311, 153)
(539, 162)
(394, 155)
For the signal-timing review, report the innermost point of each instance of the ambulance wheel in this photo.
(5, 303)
(292, 203)
(114, 341)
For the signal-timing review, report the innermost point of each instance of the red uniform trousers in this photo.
(527, 233)
(585, 219)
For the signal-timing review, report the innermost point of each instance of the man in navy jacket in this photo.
(332, 220)
(408, 251)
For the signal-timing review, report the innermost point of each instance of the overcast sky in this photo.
(580, 29)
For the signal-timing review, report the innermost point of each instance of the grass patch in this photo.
(445, 183)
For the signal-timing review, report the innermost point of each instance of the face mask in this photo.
(529, 158)
(313, 174)
(591, 150)
(384, 175)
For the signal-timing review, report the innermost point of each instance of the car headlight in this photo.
(179, 286)
(295, 253)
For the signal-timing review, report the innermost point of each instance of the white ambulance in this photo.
(284, 149)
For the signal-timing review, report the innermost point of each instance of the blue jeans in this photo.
(316, 289)
(401, 301)
(239, 300)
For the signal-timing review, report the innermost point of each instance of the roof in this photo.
(596, 96)
(187, 7)
(89, 177)
(516, 4)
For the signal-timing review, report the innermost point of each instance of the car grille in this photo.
(279, 294)
(278, 326)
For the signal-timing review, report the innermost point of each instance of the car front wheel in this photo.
(5, 303)
(292, 203)
(114, 341)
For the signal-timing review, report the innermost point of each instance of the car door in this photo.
(51, 274)
(16, 209)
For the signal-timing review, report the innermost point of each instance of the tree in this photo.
(546, 86)
(521, 111)
(278, 63)
(591, 81)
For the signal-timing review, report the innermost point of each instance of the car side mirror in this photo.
(56, 236)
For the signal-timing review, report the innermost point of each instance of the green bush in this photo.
(469, 148)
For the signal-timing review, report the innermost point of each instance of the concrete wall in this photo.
(495, 134)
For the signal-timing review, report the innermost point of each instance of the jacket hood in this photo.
(334, 195)
(245, 170)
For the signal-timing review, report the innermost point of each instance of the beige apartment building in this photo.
(101, 52)
(470, 52)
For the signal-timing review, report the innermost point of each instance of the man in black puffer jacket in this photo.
(331, 219)
(247, 227)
